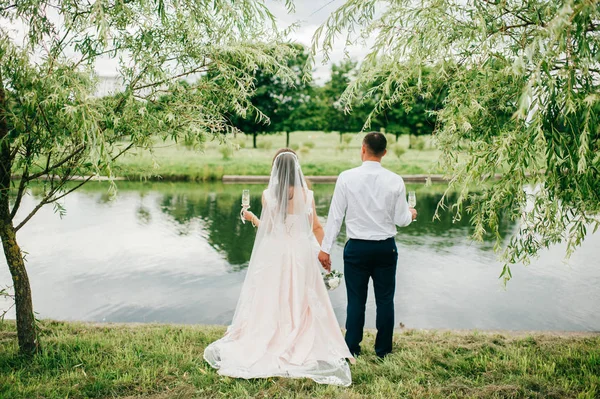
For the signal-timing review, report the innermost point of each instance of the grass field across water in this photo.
(321, 154)
(165, 361)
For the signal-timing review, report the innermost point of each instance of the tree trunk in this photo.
(26, 329)
(397, 136)
(254, 139)
(287, 139)
(341, 136)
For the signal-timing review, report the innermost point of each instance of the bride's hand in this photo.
(249, 216)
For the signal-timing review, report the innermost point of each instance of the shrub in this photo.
(226, 150)
(241, 143)
(206, 173)
(192, 143)
(417, 143)
(309, 144)
(188, 143)
(341, 147)
(398, 150)
(264, 145)
(304, 151)
(420, 145)
(347, 138)
(295, 147)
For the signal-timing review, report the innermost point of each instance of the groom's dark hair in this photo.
(376, 143)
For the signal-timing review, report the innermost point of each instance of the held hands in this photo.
(325, 260)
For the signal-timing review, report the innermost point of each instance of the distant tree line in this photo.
(303, 105)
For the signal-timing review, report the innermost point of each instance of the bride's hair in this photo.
(281, 151)
(284, 163)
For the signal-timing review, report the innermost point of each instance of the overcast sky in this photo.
(310, 14)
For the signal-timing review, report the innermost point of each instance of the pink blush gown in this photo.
(284, 324)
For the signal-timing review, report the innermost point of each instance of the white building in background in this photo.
(112, 84)
(108, 85)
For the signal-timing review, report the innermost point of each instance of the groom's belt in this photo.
(361, 240)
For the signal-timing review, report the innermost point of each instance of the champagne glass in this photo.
(245, 198)
(245, 203)
(412, 200)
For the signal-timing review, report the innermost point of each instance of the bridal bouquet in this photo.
(332, 279)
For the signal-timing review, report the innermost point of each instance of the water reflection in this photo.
(220, 219)
(219, 214)
(178, 253)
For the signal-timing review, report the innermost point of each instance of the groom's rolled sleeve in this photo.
(402, 215)
(337, 210)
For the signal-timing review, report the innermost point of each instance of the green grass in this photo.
(165, 361)
(172, 161)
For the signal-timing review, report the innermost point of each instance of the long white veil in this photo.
(286, 216)
(287, 201)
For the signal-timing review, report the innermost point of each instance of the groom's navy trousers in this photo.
(364, 260)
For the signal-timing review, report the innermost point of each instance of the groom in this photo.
(373, 200)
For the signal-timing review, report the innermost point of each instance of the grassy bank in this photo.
(163, 361)
(320, 153)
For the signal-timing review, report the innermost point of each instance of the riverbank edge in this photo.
(238, 179)
(153, 360)
(228, 179)
(461, 332)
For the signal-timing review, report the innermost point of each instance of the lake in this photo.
(178, 252)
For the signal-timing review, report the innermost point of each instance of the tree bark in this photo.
(341, 136)
(254, 139)
(287, 139)
(26, 328)
(397, 135)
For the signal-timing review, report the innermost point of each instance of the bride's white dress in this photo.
(284, 323)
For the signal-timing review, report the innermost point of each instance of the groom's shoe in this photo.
(354, 349)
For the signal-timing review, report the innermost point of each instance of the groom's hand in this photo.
(413, 211)
(325, 260)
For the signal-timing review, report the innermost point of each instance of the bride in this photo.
(284, 324)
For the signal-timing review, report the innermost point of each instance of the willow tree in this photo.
(53, 126)
(537, 62)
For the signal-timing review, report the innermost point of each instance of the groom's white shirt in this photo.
(373, 199)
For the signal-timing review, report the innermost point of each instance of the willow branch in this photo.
(47, 198)
(46, 122)
(520, 17)
(57, 165)
(9, 7)
(89, 56)
(124, 97)
(14, 152)
(181, 75)
(87, 179)
(32, 213)
(22, 185)
(123, 151)
(506, 28)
